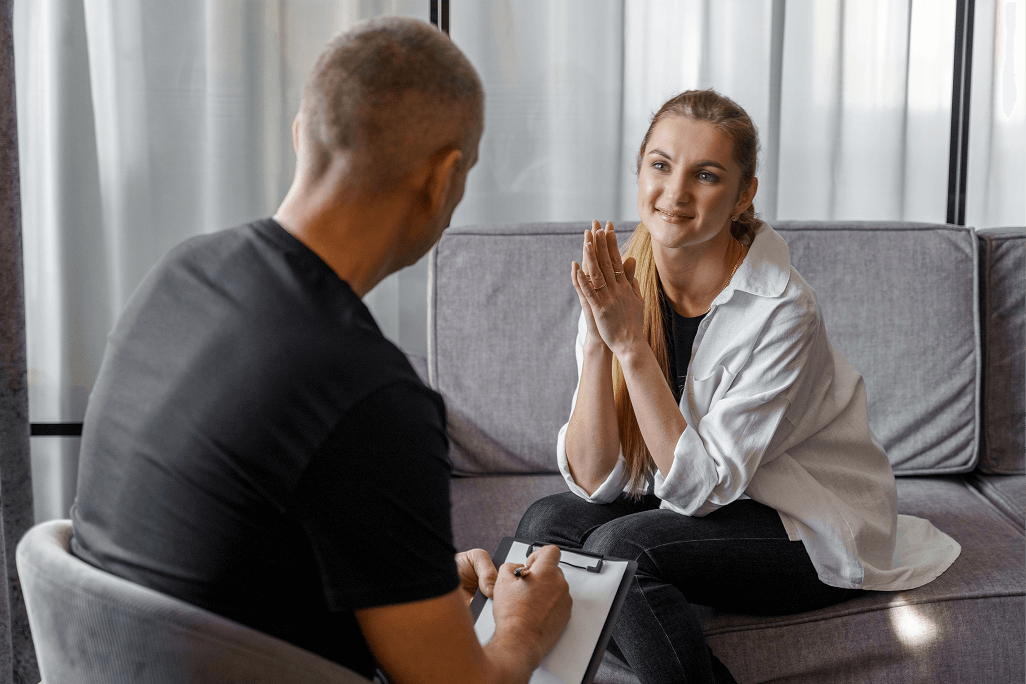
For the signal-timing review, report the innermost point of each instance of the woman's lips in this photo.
(672, 218)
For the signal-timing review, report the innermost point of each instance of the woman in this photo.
(715, 435)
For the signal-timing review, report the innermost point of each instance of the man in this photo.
(254, 446)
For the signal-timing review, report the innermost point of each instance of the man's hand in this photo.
(534, 610)
(434, 640)
(477, 571)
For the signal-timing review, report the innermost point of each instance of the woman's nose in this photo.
(678, 190)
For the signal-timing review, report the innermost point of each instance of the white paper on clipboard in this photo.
(593, 595)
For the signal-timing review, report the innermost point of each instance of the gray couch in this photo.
(932, 315)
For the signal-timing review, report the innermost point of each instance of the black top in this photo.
(254, 446)
(680, 334)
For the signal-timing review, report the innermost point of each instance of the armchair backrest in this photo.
(91, 627)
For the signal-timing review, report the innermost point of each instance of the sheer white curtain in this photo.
(143, 122)
(67, 305)
(997, 136)
(852, 99)
(553, 75)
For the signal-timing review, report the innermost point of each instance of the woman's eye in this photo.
(707, 176)
(660, 166)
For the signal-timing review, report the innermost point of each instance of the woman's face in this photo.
(688, 183)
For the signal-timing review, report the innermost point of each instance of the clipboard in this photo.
(597, 584)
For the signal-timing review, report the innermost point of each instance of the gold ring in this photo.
(617, 272)
(598, 288)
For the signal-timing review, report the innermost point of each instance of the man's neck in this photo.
(353, 232)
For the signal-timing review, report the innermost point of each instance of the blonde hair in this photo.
(635, 452)
(729, 117)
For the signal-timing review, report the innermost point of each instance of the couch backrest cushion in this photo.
(1003, 303)
(900, 303)
(502, 322)
(899, 299)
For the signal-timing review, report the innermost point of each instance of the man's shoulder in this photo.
(254, 279)
(204, 266)
(248, 247)
(250, 311)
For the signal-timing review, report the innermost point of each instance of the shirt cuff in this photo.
(606, 492)
(692, 477)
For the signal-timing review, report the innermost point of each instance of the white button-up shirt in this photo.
(774, 413)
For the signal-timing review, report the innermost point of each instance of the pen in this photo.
(521, 572)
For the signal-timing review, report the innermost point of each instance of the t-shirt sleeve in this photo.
(375, 504)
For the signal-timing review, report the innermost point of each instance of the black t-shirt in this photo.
(680, 332)
(254, 446)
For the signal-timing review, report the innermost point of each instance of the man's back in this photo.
(253, 445)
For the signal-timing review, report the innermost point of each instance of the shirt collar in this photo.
(767, 268)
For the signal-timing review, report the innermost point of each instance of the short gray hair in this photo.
(396, 87)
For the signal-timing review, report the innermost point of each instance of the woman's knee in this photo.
(548, 519)
(617, 538)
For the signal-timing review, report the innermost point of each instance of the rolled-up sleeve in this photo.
(745, 423)
(617, 479)
(606, 492)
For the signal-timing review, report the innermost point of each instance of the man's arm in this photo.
(434, 640)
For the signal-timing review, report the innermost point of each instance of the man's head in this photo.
(387, 131)
(386, 96)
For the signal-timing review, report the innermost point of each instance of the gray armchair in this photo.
(90, 627)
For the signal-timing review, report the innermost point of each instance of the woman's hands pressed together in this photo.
(608, 291)
(614, 315)
(614, 310)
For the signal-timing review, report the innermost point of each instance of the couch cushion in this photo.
(899, 301)
(968, 625)
(1003, 297)
(502, 321)
(1006, 492)
(486, 509)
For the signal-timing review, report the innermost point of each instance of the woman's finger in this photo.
(589, 315)
(592, 271)
(614, 251)
(629, 267)
(584, 287)
(636, 286)
(584, 246)
(575, 275)
(605, 263)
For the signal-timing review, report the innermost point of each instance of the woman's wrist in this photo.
(593, 345)
(633, 352)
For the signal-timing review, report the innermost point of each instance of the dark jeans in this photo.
(736, 559)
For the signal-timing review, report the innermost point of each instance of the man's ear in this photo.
(295, 134)
(444, 166)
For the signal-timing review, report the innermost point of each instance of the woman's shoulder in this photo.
(798, 292)
(769, 276)
(792, 313)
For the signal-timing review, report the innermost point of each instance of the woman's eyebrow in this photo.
(710, 162)
(706, 162)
